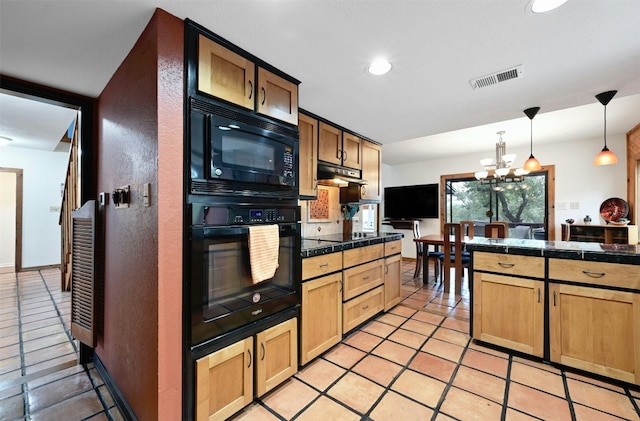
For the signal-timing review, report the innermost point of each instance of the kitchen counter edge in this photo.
(573, 250)
(310, 251)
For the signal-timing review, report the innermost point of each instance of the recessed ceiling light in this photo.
(5, 140)
(542, 6)
(379, 67)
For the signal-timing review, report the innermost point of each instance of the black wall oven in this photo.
(223, 296)
(239, 153)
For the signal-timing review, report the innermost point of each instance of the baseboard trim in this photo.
(45, 267)
(122, 404)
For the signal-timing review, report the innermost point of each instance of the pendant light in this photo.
(605, 157)
(532, 164)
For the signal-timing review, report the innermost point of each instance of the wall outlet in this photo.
(574, 205)
(561, 205)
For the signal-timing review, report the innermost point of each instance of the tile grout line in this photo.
(60, 317)
(23, 367)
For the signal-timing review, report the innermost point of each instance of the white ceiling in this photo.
(424, 108)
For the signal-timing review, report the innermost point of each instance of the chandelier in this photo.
(499, 170)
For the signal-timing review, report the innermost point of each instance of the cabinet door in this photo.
(308, 128)
(330, 144)
(276, 355)
(224, 381)
(596, 330)
(321, 320)
(509, 312)
(351, 151)
(371, 162)
(277, 97)
(392, 281)
(225, 74)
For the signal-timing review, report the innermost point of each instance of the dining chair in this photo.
(453, 256)
(468, 228)
(495, 230)
(419, 248)
(423, 252)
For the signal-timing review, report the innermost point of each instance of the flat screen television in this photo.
(411, 202)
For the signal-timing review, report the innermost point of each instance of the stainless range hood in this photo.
(332, 175)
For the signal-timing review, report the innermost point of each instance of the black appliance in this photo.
(238, 153)
(327, 171)
(223, 295)
(411, 202)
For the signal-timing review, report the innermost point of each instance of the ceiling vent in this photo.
(497, 77)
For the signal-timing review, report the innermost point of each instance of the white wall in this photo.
(577, 180)
(43, 173)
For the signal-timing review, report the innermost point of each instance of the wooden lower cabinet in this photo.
(392, 281)
(225, 378)
(321, 316)
(224, 381)
(596, 330)
(362, 308)
(509, 311)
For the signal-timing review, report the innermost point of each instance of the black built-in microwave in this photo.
(238, 153)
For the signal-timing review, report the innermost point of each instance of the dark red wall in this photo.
(129, 133)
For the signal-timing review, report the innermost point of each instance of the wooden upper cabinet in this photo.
(351, 151)
(308, 171)
(371, 163)
(330, 144)
(277, 97)
(225, 74)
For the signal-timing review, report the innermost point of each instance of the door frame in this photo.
(17, 262)
(86, 115)
(550, 225)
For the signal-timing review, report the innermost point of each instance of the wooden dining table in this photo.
(437, 240)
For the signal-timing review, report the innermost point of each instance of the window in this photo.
(527, 206)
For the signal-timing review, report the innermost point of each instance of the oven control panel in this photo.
(244, 215)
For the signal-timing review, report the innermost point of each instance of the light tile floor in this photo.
(416, 362)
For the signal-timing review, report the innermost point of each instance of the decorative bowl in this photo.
(570, 221)
(614, 209)
(621, 222)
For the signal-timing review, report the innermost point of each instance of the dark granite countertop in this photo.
(330, 243)
(612, 253)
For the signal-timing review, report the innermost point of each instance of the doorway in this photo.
(527, 206)
(11, 219)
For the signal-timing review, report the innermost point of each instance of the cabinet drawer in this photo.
(321, 265)
(392, 247)
(509, 264)
(361, 278)
(361, 308)
(360, 255)
(596, 273)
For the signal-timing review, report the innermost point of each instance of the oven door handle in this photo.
(219, 231)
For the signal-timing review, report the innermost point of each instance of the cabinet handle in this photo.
(593, 274)
(365, 307)
(386, 269)
(339, 154)
(365, 278)
(344, 155)
(264, 351)
(538, 294)
(324, 265)
(250, 89)
(506, 265)
(340, 285)
(249, 357)
(554, 298)
(264, 95)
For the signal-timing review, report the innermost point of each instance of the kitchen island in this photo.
(571, 303)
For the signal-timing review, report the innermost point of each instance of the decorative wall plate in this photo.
(613, 209)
